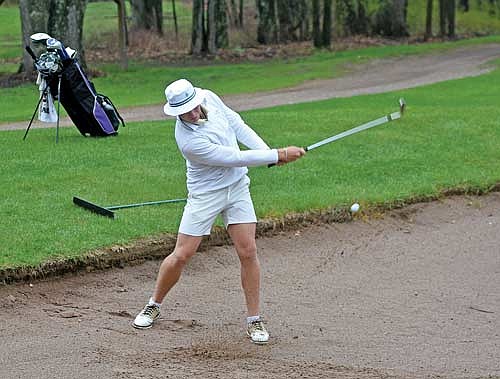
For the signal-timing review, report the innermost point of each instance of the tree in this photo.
(352, 15)
(174, 15)
(451, 18)
(61, 19)
(447, 18)
(428, 20)
(282, 20)
(464, 5)
(292, 16)
(267, 28)
(122, 32)
(198, 43)
(327, 23)
(209, 28)
(236, 13)
(147, 15)
(316, 24)
(322, 33)
(390, 19)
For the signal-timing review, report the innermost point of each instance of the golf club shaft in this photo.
(357, 129)
(146, 203)
(31, 52)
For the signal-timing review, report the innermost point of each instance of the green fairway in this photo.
(449, 138)
(144, 84)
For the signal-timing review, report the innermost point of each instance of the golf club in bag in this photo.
(62, 77)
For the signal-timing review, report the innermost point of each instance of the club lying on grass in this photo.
(379, 121)
(108, 211)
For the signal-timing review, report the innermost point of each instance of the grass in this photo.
(144, 85)
(476, 21)
(448, 139)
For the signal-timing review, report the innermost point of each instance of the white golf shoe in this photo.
(257, 332)
(148, 315)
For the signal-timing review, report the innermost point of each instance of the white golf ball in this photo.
(354, 207)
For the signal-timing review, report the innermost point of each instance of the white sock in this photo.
(251, 319)
(152, 302)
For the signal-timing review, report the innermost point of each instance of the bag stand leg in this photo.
(45, 90)
(58, 107)
(34, 113)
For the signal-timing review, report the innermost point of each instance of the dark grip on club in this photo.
(31, 52)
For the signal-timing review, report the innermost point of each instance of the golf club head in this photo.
(402, 105)
(53, 44)
(71, 52)
(39, 38)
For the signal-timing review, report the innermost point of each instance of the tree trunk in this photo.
(464, 5)
(209, 36)
(65, 23)
(233, 13)
(285, 9)
(399, 28)
(147, 15)
(292, 15)
(34, 18)
(451, 18)
(390, 19)
(221, 24)
(352, 15)
(158, 13)
(122, 33)
(174, 15)
(316, 26)
(211, 27)
(327, 23)
(236, 13)
(428, 20)
(447, 18)
(61, 19)
(442, 18)
(198, 32)
(241, 14)
(267, 29)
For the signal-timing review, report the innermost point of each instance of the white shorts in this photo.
(233, 203)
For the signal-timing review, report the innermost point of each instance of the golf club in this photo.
(39, 38)
(108, 211)
(31, 52)
(379, 121)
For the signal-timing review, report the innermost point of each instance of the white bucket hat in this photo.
(182, 97)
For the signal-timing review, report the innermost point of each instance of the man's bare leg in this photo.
(243, 237)
(172, 266)
(168, 275)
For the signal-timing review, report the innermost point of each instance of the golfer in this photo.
(207, 133)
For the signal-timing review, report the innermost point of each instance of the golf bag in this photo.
(62, 78)
(92, 113)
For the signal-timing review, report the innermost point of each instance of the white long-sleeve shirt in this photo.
(213, 157)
